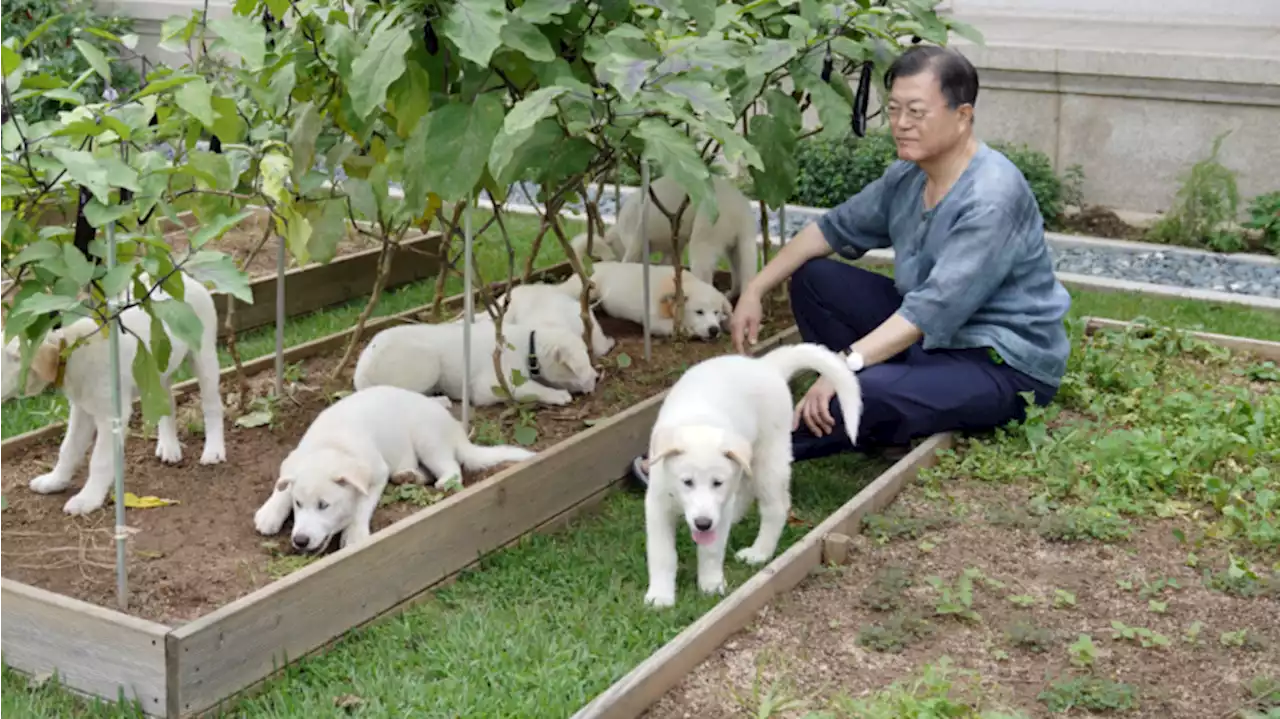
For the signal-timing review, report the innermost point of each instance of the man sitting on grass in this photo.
(973, 318)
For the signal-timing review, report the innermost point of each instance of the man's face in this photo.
(922, 124)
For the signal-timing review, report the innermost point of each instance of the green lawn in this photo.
(541, 628)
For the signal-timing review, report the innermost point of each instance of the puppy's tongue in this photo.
(704, 537)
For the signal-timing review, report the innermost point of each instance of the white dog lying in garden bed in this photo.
(546, 305)
(732, 237)
(621, 288)
(427, 358)
(84, 380)
(332, 481)
(715, 448)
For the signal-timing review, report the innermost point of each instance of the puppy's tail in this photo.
(477, 457)
(791, 359)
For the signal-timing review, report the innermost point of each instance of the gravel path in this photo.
(1180, 269)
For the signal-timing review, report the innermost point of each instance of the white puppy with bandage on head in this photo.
(721, 441)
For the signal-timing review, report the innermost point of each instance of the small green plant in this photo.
(1083, 651)
(1158, 587)
(887, 527)
(407, 493)
(1023, 633)
(895, 634)
(1023, 600)
(1239, 579)
(1203, 207)
(1062, 599)
(1192, 633)
(1142, 635)
(1242, 639)
(1264, 696)
(957, 600)
(1157, 607)
(884, 593)
(1077, 524)
(1264, 216)
(1090, 693)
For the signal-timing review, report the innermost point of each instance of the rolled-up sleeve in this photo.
(974, 262)
(860, 223)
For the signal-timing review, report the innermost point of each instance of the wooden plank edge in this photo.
(436, 512)
(635, 692)
(1263, 348)
(267, 362)
(89, 612)
(265, 284)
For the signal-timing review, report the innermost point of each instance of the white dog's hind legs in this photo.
(773, 493)
(207, 377)
(74, 445)
(660, 550)
(271, 515)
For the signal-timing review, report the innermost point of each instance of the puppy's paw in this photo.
(80, 504)
(752, 556)
(442, 400)
(444, 484)
(169, 452)
(558, 398)
(409, 476)
(213, 454)
(353, 535)
(268, 521)
(712, 585)
(49, 483)
(655, 598)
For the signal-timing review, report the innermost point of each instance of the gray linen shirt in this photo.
(973, 272)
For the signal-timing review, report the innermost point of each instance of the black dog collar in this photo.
(535, 372)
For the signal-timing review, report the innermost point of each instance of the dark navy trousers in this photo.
(915, 393)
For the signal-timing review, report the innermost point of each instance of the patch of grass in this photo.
(1239, 579)
(1075, 524)
(895, 634)
(937, 690)
(1088, 692)
(895, 524)
(885, 593)
(1024, 634)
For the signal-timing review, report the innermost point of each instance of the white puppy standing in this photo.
(332, 481)
(621, 288)
(89, 396)
(428, 357)
(721, 441)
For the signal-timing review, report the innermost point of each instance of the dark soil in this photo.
(241, 241)
(190, 558)
(1100, 222)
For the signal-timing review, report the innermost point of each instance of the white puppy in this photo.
(428, 357)
(723, 439)
(84, 376)
(733, 236)
(332, 481)
(621, 287)
(544, 305)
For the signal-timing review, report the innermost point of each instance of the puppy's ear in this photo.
(48, 358)
(667, 298)
(284, 484)
(738, 450)
(356, 480)
(664, 443)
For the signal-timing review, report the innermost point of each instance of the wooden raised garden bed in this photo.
(206, 620)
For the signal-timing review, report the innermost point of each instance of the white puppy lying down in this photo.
(621, 287)
(332, 481)
(427, 358)
(544, 305)
(733, 236)
(723, 439)
(88, 391)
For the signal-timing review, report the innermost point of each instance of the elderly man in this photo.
(972, 322)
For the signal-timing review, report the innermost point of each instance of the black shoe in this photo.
(639, 478)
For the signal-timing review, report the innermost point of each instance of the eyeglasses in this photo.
(915, 114)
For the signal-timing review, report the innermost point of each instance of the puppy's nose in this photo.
(702, 524)
(713, 331)
(301, 541)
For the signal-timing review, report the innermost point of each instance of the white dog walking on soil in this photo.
(428, 358)
(332, 481)
(83, 378)
(723, 439)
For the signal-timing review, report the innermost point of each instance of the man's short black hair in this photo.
(956, 75)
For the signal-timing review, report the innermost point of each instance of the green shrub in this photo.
(1264, 216)
(57, 54)
(832, 171)
(1203, 208)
